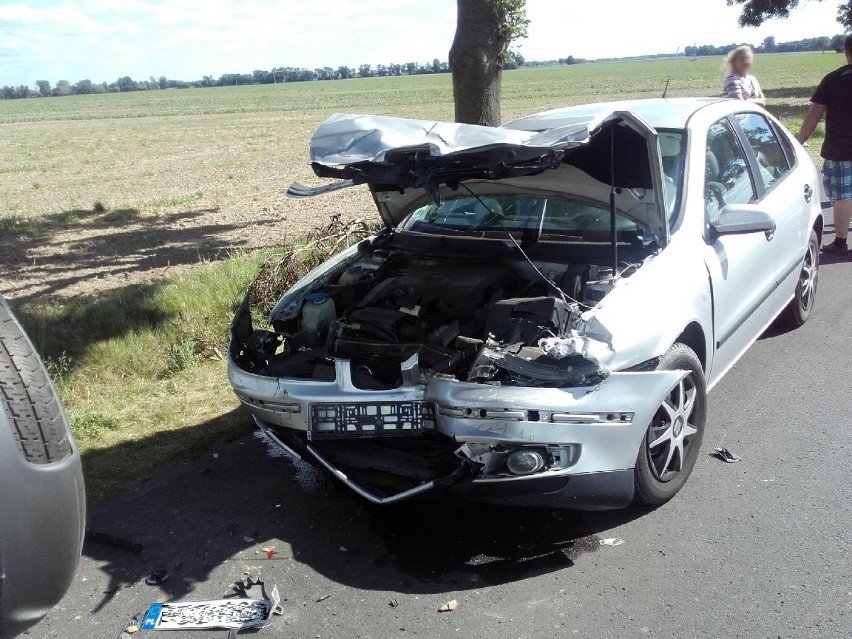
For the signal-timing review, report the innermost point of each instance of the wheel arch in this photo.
(693, 336)
(819, 225)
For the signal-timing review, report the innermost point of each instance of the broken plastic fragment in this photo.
(131, 629)
(611, 541)
(725, 455)
(449, 606)
(559, 347)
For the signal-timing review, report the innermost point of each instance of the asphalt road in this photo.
(755, 549)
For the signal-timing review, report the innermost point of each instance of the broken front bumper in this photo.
(597, 431)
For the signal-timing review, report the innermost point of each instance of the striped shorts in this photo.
(837, 178)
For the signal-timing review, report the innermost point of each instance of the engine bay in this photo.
(487, 321)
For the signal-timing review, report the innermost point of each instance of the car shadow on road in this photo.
(215, 515)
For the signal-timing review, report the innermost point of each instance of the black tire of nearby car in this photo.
(797, 312)
(42, 499)
(649, 490)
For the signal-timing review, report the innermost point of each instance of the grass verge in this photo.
(141, 371)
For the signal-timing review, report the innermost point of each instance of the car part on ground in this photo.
(547, 307)
(42, 499)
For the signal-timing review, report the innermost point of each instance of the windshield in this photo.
(548, 216)
(541, 216)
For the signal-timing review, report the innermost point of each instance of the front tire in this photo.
(799, 309)
(673, 439)
(42, 500)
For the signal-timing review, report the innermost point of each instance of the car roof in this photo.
(660, 113)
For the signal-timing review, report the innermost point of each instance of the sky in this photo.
(187, 39)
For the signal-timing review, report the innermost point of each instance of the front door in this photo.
(784, 193)
(741, 267)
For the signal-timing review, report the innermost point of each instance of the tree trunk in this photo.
(475, 62)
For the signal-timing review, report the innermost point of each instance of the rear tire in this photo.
(799, 309)
(673, 439)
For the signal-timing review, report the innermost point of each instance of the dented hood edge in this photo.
(390, 153)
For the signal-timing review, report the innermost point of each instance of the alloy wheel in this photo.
(808, 277)
(671, 430)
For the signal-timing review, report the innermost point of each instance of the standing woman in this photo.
(739, 84)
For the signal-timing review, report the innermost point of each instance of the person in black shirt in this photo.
(834, 98)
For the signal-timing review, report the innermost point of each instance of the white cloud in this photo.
(103, 39)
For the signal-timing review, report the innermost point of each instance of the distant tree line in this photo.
(259, 76)
(274, 76)
(769, 45)
(297, 74)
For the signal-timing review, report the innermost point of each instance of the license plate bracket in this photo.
(351, 420)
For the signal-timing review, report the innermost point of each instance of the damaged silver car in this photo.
(542, 316)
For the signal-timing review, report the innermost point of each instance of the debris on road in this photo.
(270, 552)
(323, 598)
(393, 603)
(132, 628)
(611, 541)
(725, 455)
(157, 577)
(449, 606)
(205, 615)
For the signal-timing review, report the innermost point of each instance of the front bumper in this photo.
(602, 426)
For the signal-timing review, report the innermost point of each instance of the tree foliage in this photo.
(756, 12)
(513, 23)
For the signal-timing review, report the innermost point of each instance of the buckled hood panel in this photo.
(395, 155)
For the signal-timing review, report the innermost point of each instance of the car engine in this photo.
(491, 323)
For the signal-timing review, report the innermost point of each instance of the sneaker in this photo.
(837, 246)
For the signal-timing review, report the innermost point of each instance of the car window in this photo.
(786, 143)
(767, 148)
(672, 153)
(544, 216)
(727, 177)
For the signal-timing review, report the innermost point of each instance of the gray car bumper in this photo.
(601, 427)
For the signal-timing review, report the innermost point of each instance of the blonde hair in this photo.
(728, 65)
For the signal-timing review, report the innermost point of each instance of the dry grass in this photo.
(278, 273)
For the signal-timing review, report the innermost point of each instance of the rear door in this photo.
(741, 267)
(783, 192)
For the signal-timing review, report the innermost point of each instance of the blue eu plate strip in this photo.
(152, 617)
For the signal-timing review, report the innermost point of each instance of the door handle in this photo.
(809, 193)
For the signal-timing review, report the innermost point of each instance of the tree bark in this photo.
(475, 62)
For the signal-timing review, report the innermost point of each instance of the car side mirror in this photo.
(735, 219)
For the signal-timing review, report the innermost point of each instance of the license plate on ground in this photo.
(370, 419)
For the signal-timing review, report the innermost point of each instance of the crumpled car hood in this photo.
(394, 154)
(352, 139)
